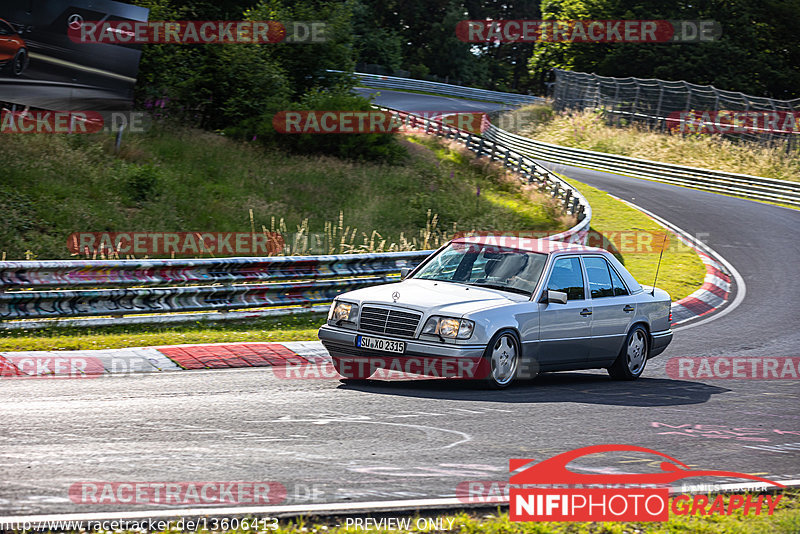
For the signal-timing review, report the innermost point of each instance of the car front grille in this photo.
(389, 321)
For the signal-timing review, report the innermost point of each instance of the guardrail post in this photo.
(118, 142)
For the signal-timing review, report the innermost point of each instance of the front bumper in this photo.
(342, 343)
(420, 358)
(659, 342)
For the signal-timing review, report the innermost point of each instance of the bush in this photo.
(238, 89)
(383, 148)
(141, 184)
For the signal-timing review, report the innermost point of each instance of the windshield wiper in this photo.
(431, 279)
(501, 288)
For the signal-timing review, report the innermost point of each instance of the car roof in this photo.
(528, 244)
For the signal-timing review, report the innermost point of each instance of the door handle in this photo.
(628, 308)
(586, 312)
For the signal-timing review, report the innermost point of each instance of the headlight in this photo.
(449, 327)
(343, 311)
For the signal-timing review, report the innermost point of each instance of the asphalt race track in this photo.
(328, 442)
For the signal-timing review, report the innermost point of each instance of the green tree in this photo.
(758, 52)
(507, 63)
(305, 63)
(372, 43)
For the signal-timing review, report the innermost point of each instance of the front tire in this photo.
(502, 359)
(632, 359)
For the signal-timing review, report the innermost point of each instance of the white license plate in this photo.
(385, 345)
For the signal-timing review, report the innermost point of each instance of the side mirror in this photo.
(554, 297)
(404, 272)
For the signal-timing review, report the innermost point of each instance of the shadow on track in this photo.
(574, 387)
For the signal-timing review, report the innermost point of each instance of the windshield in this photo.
(486, 266)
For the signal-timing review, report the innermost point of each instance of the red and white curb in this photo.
(83, 362)
(712, 294)
(97, 363)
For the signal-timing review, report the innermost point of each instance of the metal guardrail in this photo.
(753, 187)
(572, 201)
(154, 272)
(410, 84)
(168, 286)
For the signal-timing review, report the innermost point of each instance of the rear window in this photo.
(597, 271)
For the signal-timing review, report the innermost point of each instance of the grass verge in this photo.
(300, 327)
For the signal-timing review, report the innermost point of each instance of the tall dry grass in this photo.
(183, 180)
(588, 130)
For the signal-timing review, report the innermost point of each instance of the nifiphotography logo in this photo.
(619, 497)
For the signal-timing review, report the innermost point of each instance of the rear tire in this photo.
(632, 359)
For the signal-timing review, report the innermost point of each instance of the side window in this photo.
(5, 29)
(599, 277)
(567, 277)
(619, 287)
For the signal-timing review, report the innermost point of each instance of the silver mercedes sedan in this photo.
(500, 309)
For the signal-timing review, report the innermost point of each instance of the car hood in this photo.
(433, 298)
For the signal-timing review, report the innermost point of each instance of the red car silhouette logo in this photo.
(13, 51)
(554, 470)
